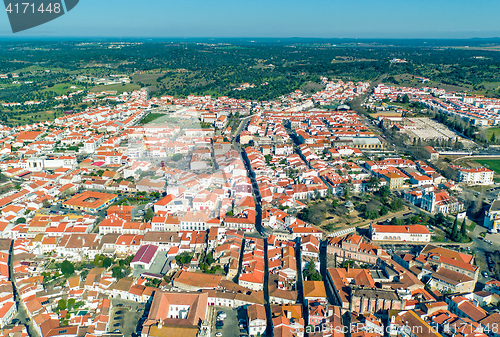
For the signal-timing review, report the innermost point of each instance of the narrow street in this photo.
(323, 261)
(22, 314)
(269, 330)
(300, 278)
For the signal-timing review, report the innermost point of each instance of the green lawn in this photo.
(63, 88)
(491, 131)
(151, 117)
(492, 164)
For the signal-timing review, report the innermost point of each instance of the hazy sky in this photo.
(273, 18)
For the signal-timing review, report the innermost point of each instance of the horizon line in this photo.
(24, 37)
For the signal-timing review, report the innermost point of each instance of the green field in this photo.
(151, 117)
(492, 164)
(32, 117)
(491, 131)
(63, 88)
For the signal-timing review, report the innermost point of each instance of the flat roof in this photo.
(89, 199)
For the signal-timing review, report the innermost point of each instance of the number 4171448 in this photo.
(26, 7)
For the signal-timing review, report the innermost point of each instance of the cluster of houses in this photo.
(477, 110)
(195, 249)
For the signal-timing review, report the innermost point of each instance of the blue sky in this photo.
(273, 18)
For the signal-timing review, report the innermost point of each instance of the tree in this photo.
(384, 192)
(184, 258)
(67, 268)
(317, 196)
(463, 229)
(71, 303)
(149, 215)
(177, 157)
(335, 203)
(384, 210)
(310, 273)
(117, 272)
(493, 138)
(209, 259)
(61, 305)
(373, 183)
(372, 214)
(46, 203)
(347, 187)
(454, 231)
(397, 222)
(396, 205)
(106, 263)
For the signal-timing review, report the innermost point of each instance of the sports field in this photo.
(492, 164)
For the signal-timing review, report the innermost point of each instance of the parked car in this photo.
(485, 274)
(218, 334)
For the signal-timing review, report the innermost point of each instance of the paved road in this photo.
(22, 313)
(480, 247)
(356, 103)
(251, 175)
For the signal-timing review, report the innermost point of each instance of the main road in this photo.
(251, 175)
(357, 103)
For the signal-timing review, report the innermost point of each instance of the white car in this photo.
(218, 334)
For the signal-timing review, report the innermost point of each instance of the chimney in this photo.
(160, 324)
(288, 314)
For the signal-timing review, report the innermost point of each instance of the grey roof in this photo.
(495, 206)
(362, 140)
(376, 293)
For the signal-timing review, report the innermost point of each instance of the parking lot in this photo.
(230, 328)
(125, 316)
